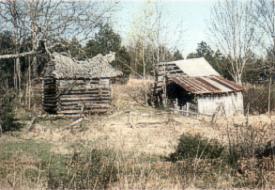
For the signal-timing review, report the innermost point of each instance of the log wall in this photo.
(77, 97)
(49, 96)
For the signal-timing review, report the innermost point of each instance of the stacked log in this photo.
(77, 97)
(49, 97)
(164, 70)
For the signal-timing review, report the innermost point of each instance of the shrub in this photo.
(94, 170)
(247, 141)
(7, 115)
(257, 98)
(196, 147)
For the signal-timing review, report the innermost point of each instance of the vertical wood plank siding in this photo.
(232, 103)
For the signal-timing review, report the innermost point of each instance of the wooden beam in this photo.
(18, 55)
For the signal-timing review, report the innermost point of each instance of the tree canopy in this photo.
(215, 58)
(106, 41)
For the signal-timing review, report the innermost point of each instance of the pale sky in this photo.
(188, 17)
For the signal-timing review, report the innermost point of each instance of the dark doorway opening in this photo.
(176, 94)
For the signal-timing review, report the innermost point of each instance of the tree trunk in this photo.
(269, 94)
(34, 47)
(143, 61)
(29, 84)
(237, 79)
(18, 73)
(14, 75)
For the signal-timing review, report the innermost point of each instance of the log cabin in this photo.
(192, 85)
(72, 88)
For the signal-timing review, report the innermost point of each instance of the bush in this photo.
(247, 141)
(7, 115)
(257, 99)
(197, 147)
(94, 170)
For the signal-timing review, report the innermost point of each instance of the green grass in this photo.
(37, 150)
(34, 162)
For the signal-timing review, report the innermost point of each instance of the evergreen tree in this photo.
(76, 50)
(106, 41)
(218, 61)
(177, 55)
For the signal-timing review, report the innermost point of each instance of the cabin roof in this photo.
(206, 84)
(65, 67)
(194, 67)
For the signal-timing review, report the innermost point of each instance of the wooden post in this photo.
(165, 90)
(187, 108)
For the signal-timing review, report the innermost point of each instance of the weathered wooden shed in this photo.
(73, 88)
(193, 86)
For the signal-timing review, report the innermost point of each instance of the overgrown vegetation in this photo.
(8, 121)
(233, 161)
(92, 170)
(36, 164)
(256, 99)
(191, 147)
(239, 160)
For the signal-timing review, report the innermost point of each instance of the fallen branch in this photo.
(30, 126)
(76, 122)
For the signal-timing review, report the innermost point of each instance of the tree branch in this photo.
(18, 55)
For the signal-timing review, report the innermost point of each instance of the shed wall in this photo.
(232, 103)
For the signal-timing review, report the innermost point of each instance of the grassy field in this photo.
(131, 148)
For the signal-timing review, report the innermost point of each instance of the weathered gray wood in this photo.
(70, 97)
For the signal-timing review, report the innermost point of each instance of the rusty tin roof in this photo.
(206, 84)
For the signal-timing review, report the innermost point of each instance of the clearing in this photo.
(140, 135)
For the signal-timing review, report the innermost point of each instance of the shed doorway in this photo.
(178, 97)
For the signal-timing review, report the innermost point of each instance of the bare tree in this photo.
(54, 20)
(150, 32)
(234, 33)
(12, 14)
(141, 32)
(264, 18)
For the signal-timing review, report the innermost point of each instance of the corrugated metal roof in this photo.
(195, 67)
(206, 84)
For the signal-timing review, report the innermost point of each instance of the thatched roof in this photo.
(64, 67)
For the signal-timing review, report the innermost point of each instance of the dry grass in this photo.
(131, 95)
(143, 130)
(142, 136)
